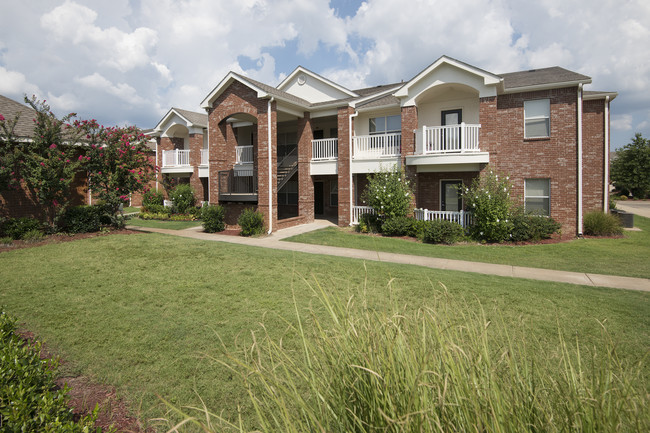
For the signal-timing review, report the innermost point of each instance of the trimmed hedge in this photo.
(213, 218)
(251, 222)
(442, 232)
(84, 219)
(527, 227)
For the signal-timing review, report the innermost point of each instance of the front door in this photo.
(318, 198)
(451, 138)
(450, 195)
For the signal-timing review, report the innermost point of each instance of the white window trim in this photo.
(385, 131)
(548, 179)
(538, 118)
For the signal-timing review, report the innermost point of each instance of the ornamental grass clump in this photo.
(451, 366)
(602, 224)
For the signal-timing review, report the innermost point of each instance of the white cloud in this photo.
(621, 122)
(122, 90)
(15, 84)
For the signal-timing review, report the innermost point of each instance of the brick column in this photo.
(344, 165)
(263, 185)
(196, 144)
(409, 124)
(487, 117)
(305, 183)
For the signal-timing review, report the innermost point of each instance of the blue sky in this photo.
(129, 61)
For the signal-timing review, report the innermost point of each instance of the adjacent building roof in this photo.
(197, 119)
(542, 77)
(10, 109)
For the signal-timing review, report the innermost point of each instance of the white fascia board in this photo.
(289, 110)
(368, 98)
(378, 108)
(223, 84)
(488, 77)
(324, 113)
(600, 95)
(546, 86)
(163, 126)
(301, 70)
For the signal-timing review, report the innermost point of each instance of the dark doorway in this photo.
(452, 117)
(450, 198)
(318, 198)
(451, 138)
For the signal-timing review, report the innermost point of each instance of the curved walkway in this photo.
(274, 241)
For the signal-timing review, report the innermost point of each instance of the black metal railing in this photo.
(238, 185)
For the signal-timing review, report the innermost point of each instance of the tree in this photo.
(117, 161)
(389, 193)
(631, 167)
(46, 164)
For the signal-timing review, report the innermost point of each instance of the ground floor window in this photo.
(334, 193)
(289, 193)
(537, 194)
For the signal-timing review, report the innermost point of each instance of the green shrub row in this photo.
(527, 227)
(29, 399)
(17, 228)
(166, 216)
(85, 219)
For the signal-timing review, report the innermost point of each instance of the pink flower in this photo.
(81, 157)
(67, 160)
(53, 146)
(2, 118)
(55, 203)
(42, 164)
(99, 172)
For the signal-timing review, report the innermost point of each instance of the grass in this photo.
(147, 313)
(170, 225)
(131, 209)
(626, 256)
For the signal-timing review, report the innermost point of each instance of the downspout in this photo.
(606, 180)
(580, 159)
(209, 193)
(270, 136)
(356, 113)
(157, 172)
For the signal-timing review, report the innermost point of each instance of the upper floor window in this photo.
(537, 118)
(538, 196)
(385, 124)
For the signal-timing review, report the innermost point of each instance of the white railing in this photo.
(377, 146)
(176, 158)
(358, 211)
(324, 149)
(461, 217)
(205, 157)
(447, 139)
(244, 154)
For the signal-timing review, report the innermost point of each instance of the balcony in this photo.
(176, 161)
(238, 185)
(456, 145)
(205, 157)
(377, 146)
(243, 155)
(325, 149)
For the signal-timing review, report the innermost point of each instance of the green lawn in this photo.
(627, 256)
(170, 225)
(146, 312)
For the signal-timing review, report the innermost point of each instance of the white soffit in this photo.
(446, 70)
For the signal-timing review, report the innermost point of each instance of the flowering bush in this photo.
(183, 197)
(213, 218)
(389, 193)
(152, 197)
(488, 198)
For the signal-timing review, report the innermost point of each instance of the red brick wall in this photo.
(554, 157)
(305, 182)
(428, 186)
(593, 155)
(344, 164)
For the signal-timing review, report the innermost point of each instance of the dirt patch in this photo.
(84, 395)
(62, 237)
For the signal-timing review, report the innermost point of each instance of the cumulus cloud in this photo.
(15, 84)
(122, 90)
(621, 122)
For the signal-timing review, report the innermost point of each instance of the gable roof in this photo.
(542, 78)
(301, 70)
(10, 108)
(196, 119)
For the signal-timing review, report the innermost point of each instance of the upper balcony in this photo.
(377, 146)
(453, 144)
(243, 155)
(176, 161)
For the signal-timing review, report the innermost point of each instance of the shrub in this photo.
(82, 219)
(369, 223)
(29, 399)
(251, 222)
(33, 236)
(403, 226)
(152, 197)
(602, 224)
(155, 208)
(6, 240)
(213, 218)
(389, 193)
(17, 227)
(183, 197)
(442, 232)
(526, 227)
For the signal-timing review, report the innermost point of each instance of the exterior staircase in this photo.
(287, 167)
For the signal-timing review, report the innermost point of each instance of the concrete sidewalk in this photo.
(274, 241)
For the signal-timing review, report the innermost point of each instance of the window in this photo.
(537, 118)
(386, 124)
(289, 193)
(538, 196)
(334, 193)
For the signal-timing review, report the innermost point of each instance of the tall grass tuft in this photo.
(449, 367)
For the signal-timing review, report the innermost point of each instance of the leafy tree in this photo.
(389, 193)
(631, 167)
(47, 163)
(117, 162)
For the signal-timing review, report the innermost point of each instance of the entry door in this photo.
(318, 198)
(450, 195)
(451, 140)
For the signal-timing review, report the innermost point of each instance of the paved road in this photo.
(275, 242)
(640, 207)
